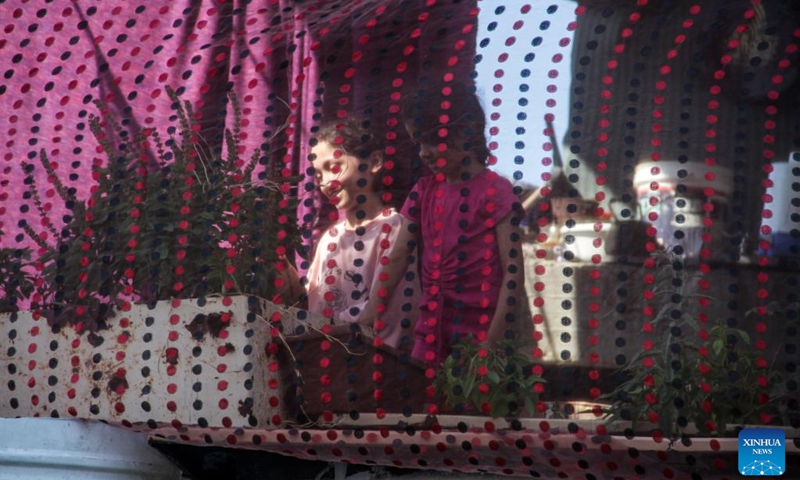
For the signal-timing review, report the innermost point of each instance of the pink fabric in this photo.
(126, 57)
(289, 63)
(461, 270)
(344, 274)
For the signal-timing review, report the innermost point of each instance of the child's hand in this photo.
(287, 281)
(492, 338)
(367, 319)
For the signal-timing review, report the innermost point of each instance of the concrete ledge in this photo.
(36, 448)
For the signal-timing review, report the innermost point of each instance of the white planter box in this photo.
(154, 366)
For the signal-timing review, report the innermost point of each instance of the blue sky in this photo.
(524, 55)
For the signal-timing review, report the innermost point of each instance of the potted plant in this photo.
(15, 282)
(698, 375)
(159, 285)
(499, 382)
(198, 224)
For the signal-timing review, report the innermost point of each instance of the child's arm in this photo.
(290, 287)
(513, 283)
(393, 268)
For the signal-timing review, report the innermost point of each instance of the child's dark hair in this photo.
(354, 138)
(357, 139)
(454, 106)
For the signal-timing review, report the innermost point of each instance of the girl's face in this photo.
(438, 150)
(343, 178)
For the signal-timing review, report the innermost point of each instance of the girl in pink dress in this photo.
(468, 217)
(364, 268)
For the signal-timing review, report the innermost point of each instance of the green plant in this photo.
(15, 282)
(695, 369)
(497, 382)
(196, 224)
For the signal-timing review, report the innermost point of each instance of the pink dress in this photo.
(345, 273)
(461, 271)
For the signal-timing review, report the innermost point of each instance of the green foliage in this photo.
(698, 370)
(15, 282)
(188, 223)
(497, 382)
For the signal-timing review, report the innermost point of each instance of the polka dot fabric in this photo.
(162, 199)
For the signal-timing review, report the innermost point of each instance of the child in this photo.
(468, 217)
(364, 267)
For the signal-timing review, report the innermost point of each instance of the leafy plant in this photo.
(15, 282)
(194, 225)
(696, 370)
(497, 382)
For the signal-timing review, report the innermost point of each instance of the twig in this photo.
(315, 329)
